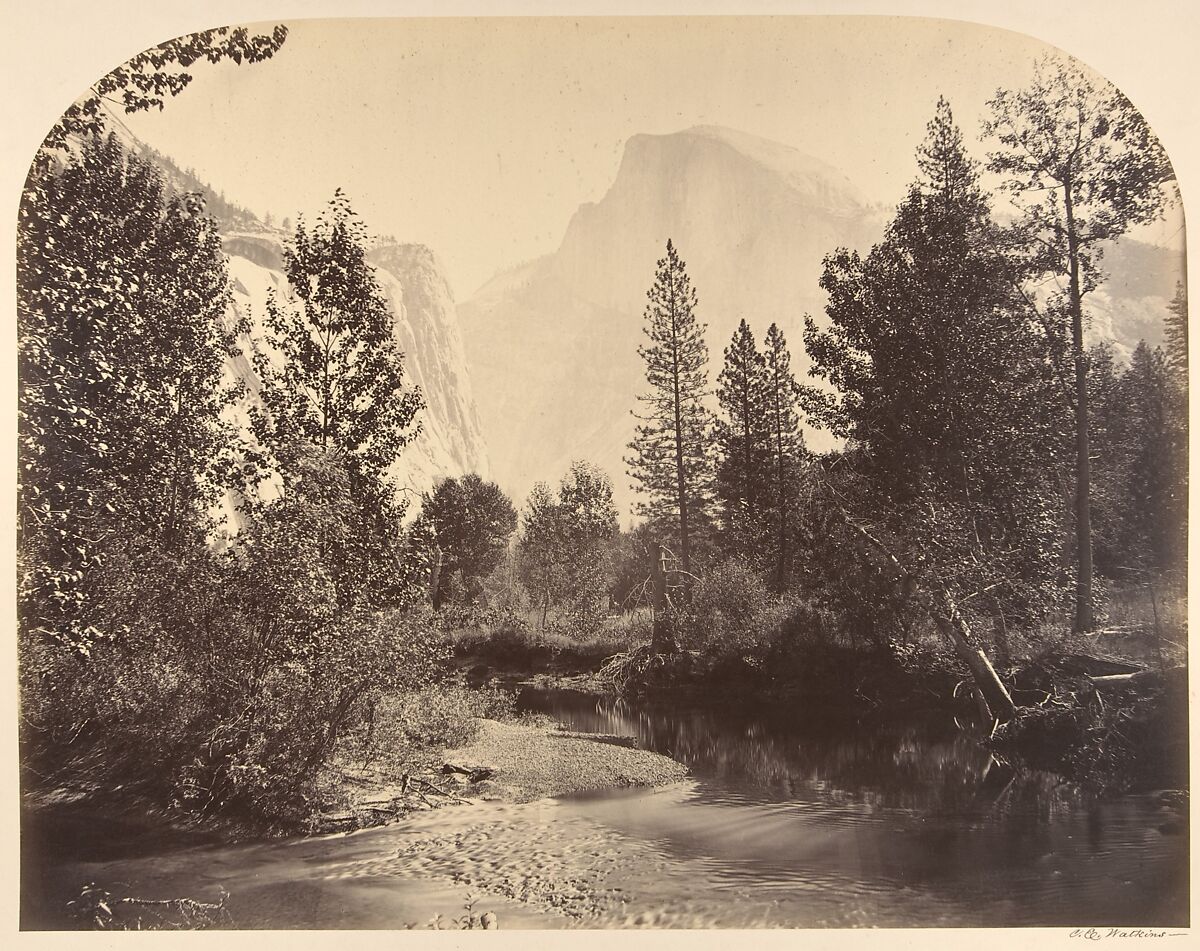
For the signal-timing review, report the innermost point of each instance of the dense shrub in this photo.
(436, 715)
(237, 673)
(230, 732)
(732, 613)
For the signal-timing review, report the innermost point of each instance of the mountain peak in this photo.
(816, 181)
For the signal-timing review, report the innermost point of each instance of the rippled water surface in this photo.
(789, 822)
(783, 823)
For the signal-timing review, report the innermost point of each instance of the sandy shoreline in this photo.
(524, 762)
(533, 763)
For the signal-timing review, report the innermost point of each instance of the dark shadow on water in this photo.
(787, 820)
(910, 821)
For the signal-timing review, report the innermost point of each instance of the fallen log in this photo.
(1137, 680)
(940, 606)
(1097, 666)
(614, 739)
(475, 774)
(991, 689)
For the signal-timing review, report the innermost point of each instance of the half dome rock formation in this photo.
(553, 344)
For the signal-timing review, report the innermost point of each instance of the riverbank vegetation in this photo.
(208, 611)
(223, 595)
(1006, 512)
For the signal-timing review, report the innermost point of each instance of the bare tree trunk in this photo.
(1083, 480)
(662, 641)
(435, 577)
(953, 626)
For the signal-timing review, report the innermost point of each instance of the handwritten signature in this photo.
(1100, 934)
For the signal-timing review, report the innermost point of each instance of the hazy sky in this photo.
(479, 138)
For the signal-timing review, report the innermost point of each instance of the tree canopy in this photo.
(942, 382)
(565, 549)
(332, 377)
(472, 520)
(122, 294)
(148, 79)
(670, 463)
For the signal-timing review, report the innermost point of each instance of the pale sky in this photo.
(480, 138)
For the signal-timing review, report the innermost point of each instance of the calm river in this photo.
(783, 823)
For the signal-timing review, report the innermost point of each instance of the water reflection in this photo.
(784, 822)
(885, 823)
(918, 766)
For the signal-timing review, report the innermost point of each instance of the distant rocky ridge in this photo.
(552, 344)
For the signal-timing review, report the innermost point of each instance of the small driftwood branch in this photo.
(476, 774)
(438, 789)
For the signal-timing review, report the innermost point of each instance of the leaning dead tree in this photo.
(941, 606)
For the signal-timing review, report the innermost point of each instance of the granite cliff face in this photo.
(426, 331)
(552, 345)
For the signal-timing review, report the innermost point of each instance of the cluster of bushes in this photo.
(405, 724)
(734, 632)
(232, 677)
(206, 609)
(519, 640)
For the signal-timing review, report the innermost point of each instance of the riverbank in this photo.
(1106, 710)
(782, 822)
(504, 763)
(511, 762)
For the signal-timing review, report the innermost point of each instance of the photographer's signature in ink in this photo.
(1100, 934)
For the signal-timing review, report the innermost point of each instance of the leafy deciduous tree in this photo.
(331, 374)
(1085, 168)
(122, 335)
(565, 549)
(472, 521)
(146, 80)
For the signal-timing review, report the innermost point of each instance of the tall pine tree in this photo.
(1177, 426)
(743, 476)
(785, 443)
(670, 461)
(1175, 331)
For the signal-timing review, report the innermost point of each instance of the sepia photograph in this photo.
(600, 472)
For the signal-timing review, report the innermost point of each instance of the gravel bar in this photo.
(534, 762)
